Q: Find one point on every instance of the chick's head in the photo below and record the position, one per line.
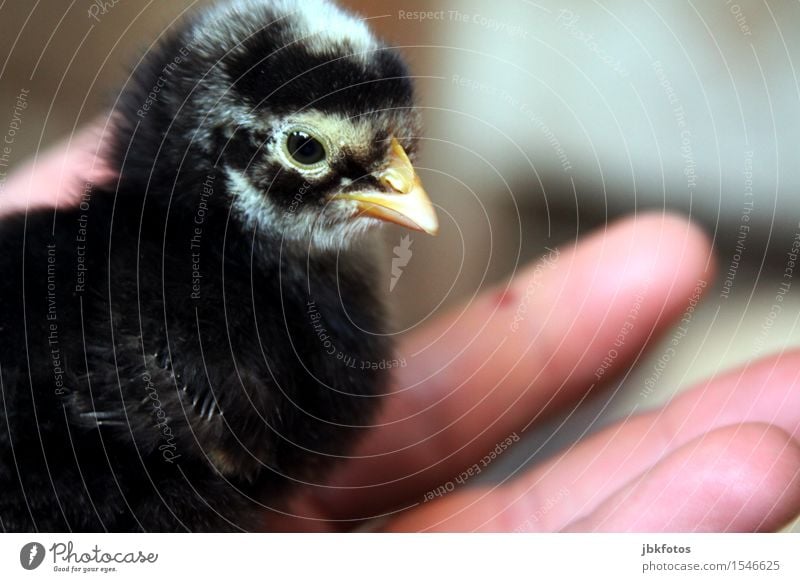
(307, 119)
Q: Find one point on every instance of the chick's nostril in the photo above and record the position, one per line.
(397, 180)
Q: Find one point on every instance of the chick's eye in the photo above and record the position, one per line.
(304, 148)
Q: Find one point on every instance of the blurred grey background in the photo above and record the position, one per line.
(543, 120)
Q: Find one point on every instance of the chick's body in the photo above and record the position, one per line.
(186, 345)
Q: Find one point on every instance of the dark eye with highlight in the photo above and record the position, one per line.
(304, 148)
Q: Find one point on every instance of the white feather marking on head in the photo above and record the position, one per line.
(324, 25)
(319, 25)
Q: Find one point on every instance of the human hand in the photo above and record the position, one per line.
(720, 457)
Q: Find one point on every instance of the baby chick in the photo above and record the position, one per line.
(195, 339)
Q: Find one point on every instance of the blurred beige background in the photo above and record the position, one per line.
(544, 119)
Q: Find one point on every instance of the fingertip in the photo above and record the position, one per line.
(651, 245)
(746, 477)
(770, 496)
(741, 478)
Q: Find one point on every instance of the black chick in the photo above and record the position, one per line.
(189, 342)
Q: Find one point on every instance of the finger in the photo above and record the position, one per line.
(740, 478)
(58, 176)
(765, 391)
(471, 381)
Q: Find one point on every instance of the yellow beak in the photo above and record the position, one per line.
(406, 203)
